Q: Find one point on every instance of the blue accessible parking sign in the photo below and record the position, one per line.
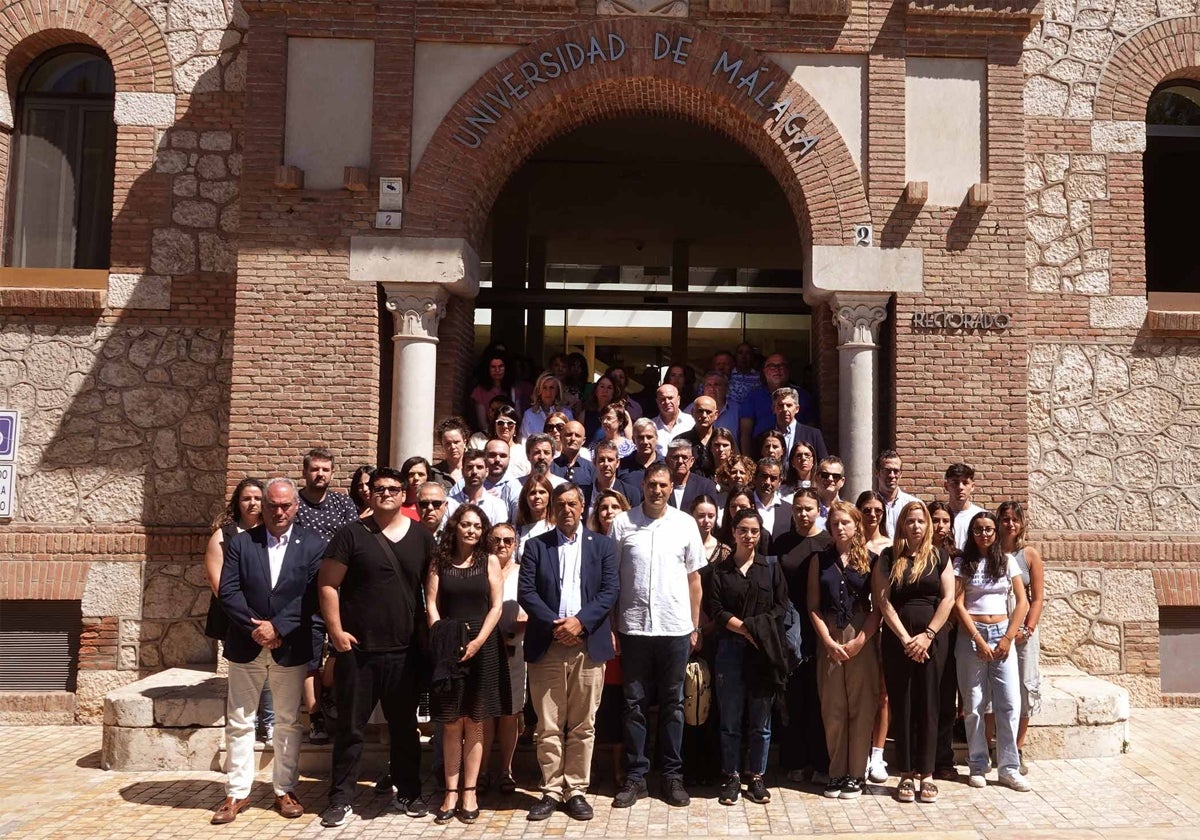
(8, 434)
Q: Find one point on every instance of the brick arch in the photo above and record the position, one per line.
(454, 187)
(128, 36)
(1163, 51)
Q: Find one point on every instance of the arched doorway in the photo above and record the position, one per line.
(642, 241)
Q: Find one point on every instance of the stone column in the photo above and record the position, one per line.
(857, 317)
(418, 276)
(417, 309)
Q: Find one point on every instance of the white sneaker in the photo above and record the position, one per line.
(877, 772)
(977, 780)
(1015, 781)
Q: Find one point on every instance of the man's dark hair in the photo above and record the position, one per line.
(474, 455)
(318, 453)
(886, 455)
(960, 470)
(768, 462)
(387, 472)
(656, 468)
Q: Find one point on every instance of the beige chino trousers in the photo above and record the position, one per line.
(565, 687)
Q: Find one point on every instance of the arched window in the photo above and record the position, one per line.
(1171, 170)
(62, 190)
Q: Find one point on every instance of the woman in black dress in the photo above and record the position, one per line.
(913, 586)
(465, 583)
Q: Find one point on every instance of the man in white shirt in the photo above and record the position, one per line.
(659, 554)
(960, 485)
(670, 422)
(888, 468)
(472, 491)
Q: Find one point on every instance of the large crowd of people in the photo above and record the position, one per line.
(580, 561)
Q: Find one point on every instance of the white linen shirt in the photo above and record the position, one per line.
(570, 566)
(655, 557)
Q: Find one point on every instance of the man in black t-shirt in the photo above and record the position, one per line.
(371, 587)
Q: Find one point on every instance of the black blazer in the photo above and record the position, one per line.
(245, 592)
(539, 589)
(697, 485)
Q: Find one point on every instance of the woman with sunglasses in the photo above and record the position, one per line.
(502, 542)
(506, 427)
(801, 464)
(985, 579)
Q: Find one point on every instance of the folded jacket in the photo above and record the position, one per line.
(447, 639)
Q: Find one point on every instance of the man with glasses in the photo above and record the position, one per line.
(324, 511)
(472, 491)
(960, 486)
(774, 508)
(571, 465)
(888, 468)
(758, 410)
(704, 410)
(265, 581)
(831, 477)
(371, 588)
(686, 486)
(433, 508)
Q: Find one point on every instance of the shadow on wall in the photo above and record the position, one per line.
(125, 413)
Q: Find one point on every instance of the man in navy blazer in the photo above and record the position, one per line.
(567, 585)
(686, 485)
(267, 591)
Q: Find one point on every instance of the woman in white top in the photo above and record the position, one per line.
(984, 579)
(547, 399)
(534, 514)
(1029, 560)
(502, 542)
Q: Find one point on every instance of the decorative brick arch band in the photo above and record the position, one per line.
(1160, 52)
(628, 67)
(130, 37)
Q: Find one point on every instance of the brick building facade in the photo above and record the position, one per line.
(253, 305)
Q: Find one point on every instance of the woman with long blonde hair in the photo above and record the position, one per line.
(547, 399)
(839, 603)
(913, 588)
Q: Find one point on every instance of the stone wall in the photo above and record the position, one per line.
(119, 424)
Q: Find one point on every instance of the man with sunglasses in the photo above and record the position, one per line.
(433, 507)
(888, 468)
(472, 491)
(831, 477)
(371, 588)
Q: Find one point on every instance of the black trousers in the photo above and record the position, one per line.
(360, 680)
(913, 691)
(803, 744)
(947, 706)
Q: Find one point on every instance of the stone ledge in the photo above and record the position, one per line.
(176, 698)
(153, 748)
(37, 708)
(1081, 716)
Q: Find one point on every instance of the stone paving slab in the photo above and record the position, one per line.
(51, 786)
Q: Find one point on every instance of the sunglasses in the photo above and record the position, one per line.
(830, 475)
(555, 427)
(436, 504)
(387, 491)
(506, 424)
(504, 540)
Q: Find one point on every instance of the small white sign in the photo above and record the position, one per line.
(391, 193)
(388, 220)
(8, 481)
(864, 236)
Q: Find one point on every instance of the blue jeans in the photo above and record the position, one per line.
(652, 671)
(997, 682)
(736, 704)
(266, 709)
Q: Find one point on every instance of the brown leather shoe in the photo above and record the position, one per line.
(289, 806)
(229, 809)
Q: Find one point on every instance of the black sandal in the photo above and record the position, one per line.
(443, 815)
(463, 814)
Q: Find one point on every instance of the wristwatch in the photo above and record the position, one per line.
(930, 632)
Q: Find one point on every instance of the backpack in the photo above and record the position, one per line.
(789, 627)
(697, 692)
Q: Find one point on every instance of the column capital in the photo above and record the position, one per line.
(857, 318)
(416, 309)
(420, 261)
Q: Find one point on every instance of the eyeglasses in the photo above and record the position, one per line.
(775, 366)
(436, 504)
(983, 532)
(390, 490)
(826, 474)
(802, 456)
(506, 424)
(504, 540)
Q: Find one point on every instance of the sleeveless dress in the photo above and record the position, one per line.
(464, 594)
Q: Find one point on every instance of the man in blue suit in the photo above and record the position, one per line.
(567, 586)
(267, 591)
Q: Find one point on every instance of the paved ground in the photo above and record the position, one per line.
(51, 787)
